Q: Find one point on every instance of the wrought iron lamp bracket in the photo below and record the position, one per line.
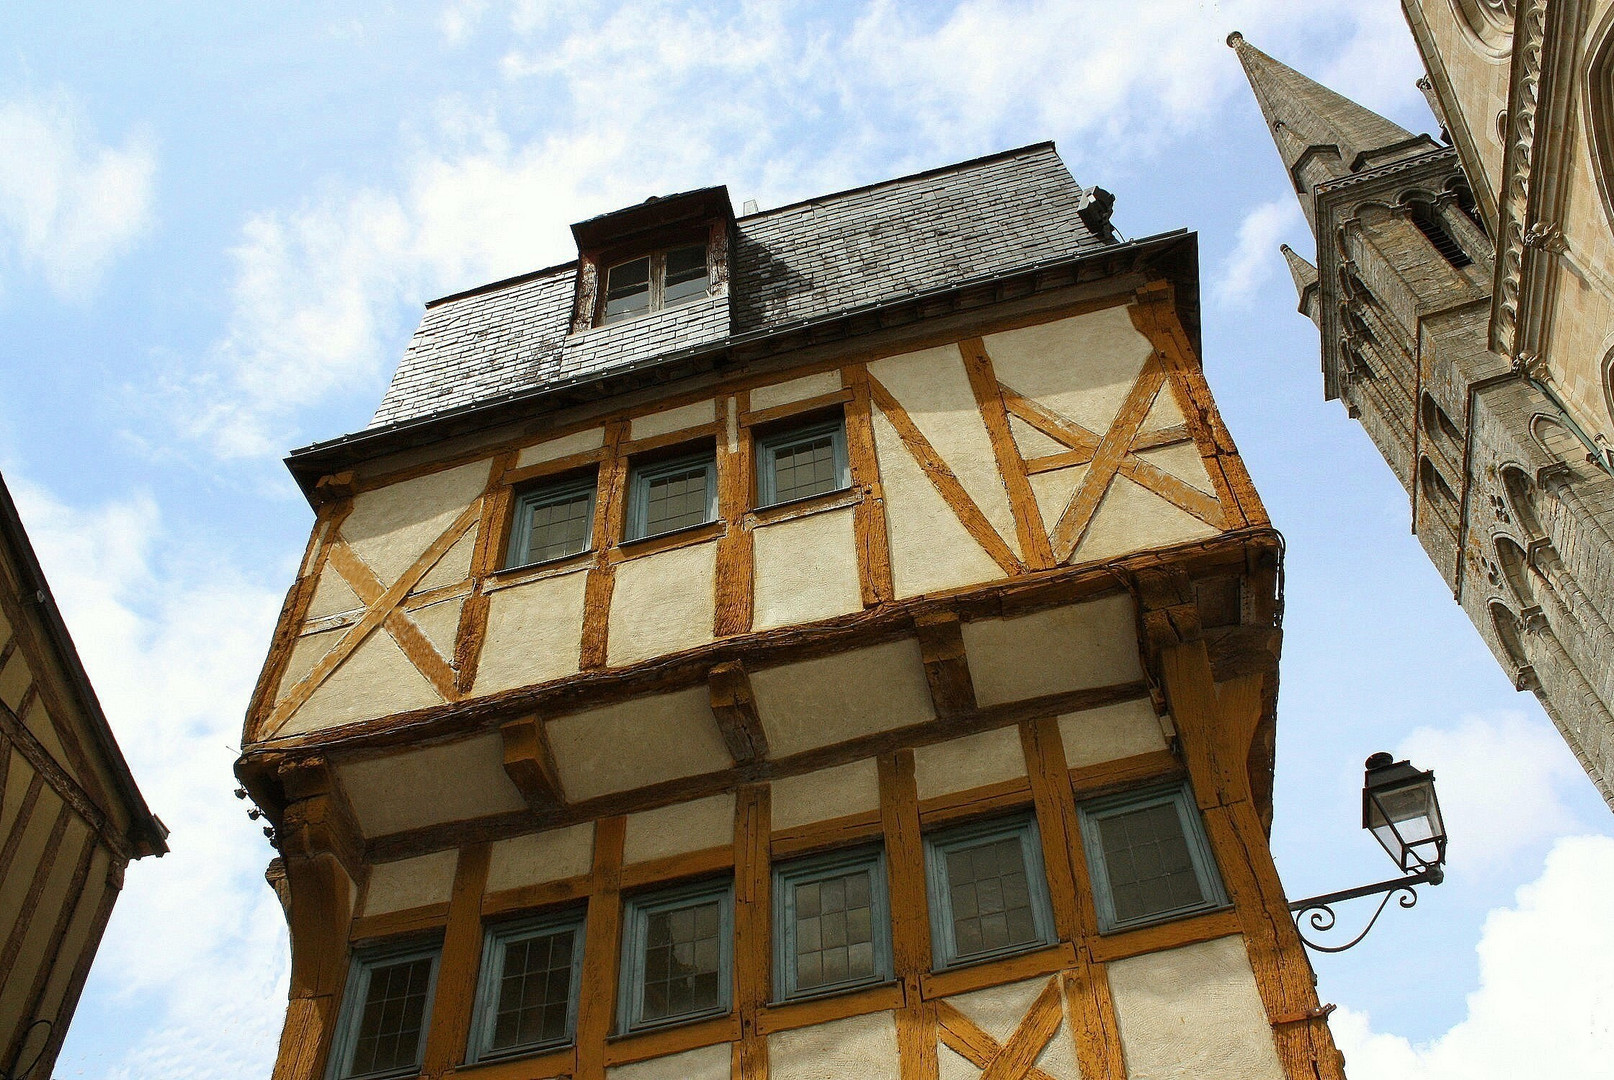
(1317, 912)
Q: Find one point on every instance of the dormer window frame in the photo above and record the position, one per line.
(656, 280)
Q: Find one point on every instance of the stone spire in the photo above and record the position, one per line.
(1305, 276)
(1320, 135)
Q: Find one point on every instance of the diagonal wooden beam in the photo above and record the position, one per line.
(1028, 526)
(735, 708)
(1078, 515)
(1020, 1052)
(373, 618)
(1179, 493)
(530, 763)
(947, 668)
(971, 1042)
(1059, 428)
(943, 479)
(416, 646)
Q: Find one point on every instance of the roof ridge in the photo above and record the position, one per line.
(503, 283)
(937, 170)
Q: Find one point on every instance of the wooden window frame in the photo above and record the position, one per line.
(1180, 796)
(351, 1015)
(769, 444)
(816, 867)
(1021, 826)
(485, 1012)
(640, 475)
(636, 911)
(658, 282)
(529, 497)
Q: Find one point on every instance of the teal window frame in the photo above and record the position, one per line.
(939, 844)
(640, 478)
(815, 868)
(540, 496)
(364, 964)
(636, 912)
(768, 448)
(1090, 813)
(485, 1013)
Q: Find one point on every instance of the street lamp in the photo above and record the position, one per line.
(1401, 810)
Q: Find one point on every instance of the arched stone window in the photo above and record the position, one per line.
(1521, 500)
(1433, 483)
(1598, 105)
(1439, 425)
(1516, 571)
(1464, 198)
(1511, 635)
(1423, 215)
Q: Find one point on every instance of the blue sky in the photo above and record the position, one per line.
(218, 224)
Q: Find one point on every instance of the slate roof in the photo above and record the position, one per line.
(796, 263)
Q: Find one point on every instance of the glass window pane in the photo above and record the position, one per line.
(676, 500)
(682, 962)
(834, 928)
(392, 1018)
(1148, 862)
(534, 990)
(804, 466)
(990, 899)
(686, 275)
(627, 289)
(554, 527)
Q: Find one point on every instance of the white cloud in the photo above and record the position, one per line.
(1491, 826)
(460, 18)
(1545, 1002)
(172, 638)
(780, 100)
(1250, 265)
(69, 205)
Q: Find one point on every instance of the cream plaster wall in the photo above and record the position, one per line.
(1133, 518)
(930, 549)
(1066, 648)
(1082, 367)
(662, 603)
(553, 855)
(578, 442)
(987, 757)
(685, 416)
(707, 1063)
(673, 830)
(440, 622)
(332, 595)
(376, 679)
(1164, 413)
(446, 782)
(453, 568)
(533, 634)
(864, 1047)
(1193, 1012)
(853, 788)
(407, 883)
(782, 393)
(806, 570)
(834, 698)
(1182, 461)
(934, 389)
(392, 526)
(1094, 736)
(1031, 442)
(638, 742)
(1479, 77)
(1054, 490)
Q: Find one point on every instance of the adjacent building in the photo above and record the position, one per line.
(1464, 290)
(837, 641)
(71, 817)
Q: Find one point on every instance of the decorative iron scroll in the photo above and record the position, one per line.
(1318, 913)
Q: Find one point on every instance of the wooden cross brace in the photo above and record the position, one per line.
(1012, 1060)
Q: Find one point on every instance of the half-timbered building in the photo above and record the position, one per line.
(837, 641)
(71, 817)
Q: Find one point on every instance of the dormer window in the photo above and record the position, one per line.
(652, 282)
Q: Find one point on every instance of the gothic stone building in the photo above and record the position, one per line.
(1464, 291)
(835, 642)
(71, 816)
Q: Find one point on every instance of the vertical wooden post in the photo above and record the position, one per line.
(1216, 726)
(457, 970)
(609, 508)
(910, 913)
(1035, 549)
(753, 926)
(868, 521)
(601, 949)
(486, 557)
(735, 552)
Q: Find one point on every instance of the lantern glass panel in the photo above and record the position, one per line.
(1406, 821)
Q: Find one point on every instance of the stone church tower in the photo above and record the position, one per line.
(1471, 363)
